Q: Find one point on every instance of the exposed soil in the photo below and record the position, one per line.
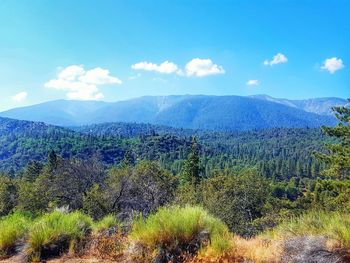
(18, 259)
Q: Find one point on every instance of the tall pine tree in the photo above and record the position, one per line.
(339, 157)
(192, 171)
(52, 160)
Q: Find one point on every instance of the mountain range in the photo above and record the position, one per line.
(187, 111)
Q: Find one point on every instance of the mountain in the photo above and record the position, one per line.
(58, 112)
(236, 113)
(322, 106)
(189, 111)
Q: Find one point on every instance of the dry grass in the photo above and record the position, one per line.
(108, 247)
(258, 249)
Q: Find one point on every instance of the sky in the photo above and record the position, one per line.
(116, 50)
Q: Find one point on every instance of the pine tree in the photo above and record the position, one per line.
(128, 159)
(192, 170)
(52, 160)
(339, 157)
(33, 170)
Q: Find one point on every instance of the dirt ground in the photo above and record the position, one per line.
(17, 259)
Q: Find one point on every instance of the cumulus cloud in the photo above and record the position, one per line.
(71, 72)
(332, 65)
(165, 68)
(196, 67)
(279, 58)
(81, 84)
(202, 67)
(252, 82)
(19, 97)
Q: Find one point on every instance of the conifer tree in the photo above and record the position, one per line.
(52, 160)
(192, 170)
(339, 157)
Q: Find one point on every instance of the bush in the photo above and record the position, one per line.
(106, 223)
(179, 230)
(12, 229)
(236, 200)
(57, 232)
(335, 226)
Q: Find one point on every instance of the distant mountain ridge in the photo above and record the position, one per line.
(322, 106)
(224, 113)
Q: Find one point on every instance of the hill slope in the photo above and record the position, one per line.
(322, 106)
(195, 112)
(58, 112)
(276, 152)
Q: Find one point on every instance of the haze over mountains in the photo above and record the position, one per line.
(187, 111)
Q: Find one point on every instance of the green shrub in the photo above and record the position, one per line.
(12, 229)
(175, 227)
(333, 225)
(57, 232)
(106, 223)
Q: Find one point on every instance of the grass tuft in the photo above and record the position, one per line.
(177, 227)
(57, 232)
(106, 223)
(12, 229)
(335, 226)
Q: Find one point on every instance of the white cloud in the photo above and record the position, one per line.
(332, 65)
(99, 76)
(71, 72)
(165, 68)
(202, 67)
(196, 67)
(19, 97)
(81, 84)
(252, 82)
(279, 58)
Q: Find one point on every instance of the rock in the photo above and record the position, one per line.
(310, 249)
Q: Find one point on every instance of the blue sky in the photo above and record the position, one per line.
(114, 50)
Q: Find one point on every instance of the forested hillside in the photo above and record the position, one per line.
(277, 153)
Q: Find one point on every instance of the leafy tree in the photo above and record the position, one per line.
(8, 194)
(143, 188)
(33, 196)
(65, 185)
(95, 203)
(237, 200)
(71, 180)
(151, 187)
(117, 188)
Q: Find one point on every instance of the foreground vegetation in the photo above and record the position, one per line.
(137, 210)
(176, 234)
(13, 228)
